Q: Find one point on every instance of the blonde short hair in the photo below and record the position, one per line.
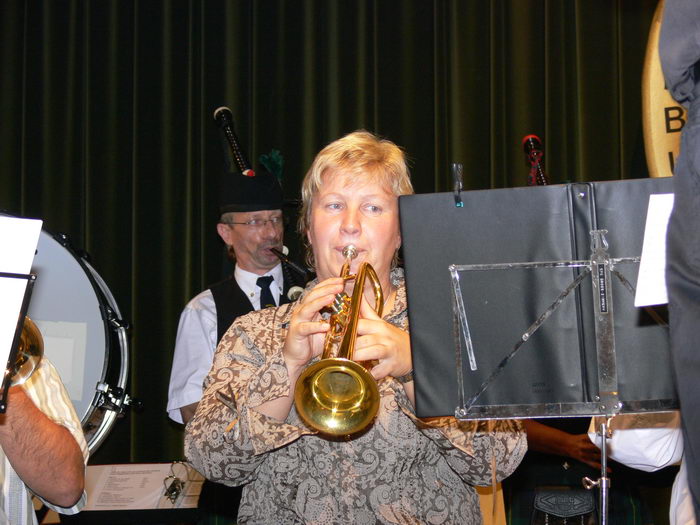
(363, 155)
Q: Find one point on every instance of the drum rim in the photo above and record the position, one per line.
(110, 416)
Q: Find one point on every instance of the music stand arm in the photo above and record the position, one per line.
(603, 483)
(6, 379)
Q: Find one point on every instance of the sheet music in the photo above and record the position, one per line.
(18, 241)
(651, 282)
(140, 486)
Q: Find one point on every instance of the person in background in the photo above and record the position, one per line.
(560, 454)
(650, 442)
(400, 469)
(679, 53)
(250, 224)
(42, 449)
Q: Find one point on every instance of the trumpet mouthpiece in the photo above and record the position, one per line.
(350, 252)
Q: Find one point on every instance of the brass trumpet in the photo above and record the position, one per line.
(29, 353)
(336, 395)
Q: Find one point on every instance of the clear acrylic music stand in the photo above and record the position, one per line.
(600, 268)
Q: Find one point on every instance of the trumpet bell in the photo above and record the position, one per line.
(337, 397)
(29, 353)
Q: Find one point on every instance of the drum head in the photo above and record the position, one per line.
(71, 305)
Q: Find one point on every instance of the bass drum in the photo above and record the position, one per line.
(84, 335)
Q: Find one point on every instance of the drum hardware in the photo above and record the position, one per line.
(115, 399)
(113, 319)
(336, 395)
(110, 404)
(108, 397)
(65, 241)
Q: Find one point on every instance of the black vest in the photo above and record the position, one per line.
(231, 302)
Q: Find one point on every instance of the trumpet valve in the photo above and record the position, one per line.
(339, 317)
(341, 303)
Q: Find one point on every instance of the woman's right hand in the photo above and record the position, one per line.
(304, 341)
(306, 329)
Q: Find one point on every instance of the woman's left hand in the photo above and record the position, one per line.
(384, 343)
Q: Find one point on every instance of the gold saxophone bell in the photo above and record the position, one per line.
(336, 395)
(29, 353)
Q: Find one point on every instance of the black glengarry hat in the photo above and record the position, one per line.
(240, 192)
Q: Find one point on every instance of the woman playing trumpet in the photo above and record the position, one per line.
(399, 469)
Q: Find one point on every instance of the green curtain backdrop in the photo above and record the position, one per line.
(106, 131)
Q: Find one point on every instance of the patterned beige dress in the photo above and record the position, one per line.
(401, 470)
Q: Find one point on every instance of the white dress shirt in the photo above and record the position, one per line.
(197, 336)
(248, 283)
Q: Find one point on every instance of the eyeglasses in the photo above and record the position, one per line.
(258, 224)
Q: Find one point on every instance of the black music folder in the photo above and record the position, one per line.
(470, 356)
